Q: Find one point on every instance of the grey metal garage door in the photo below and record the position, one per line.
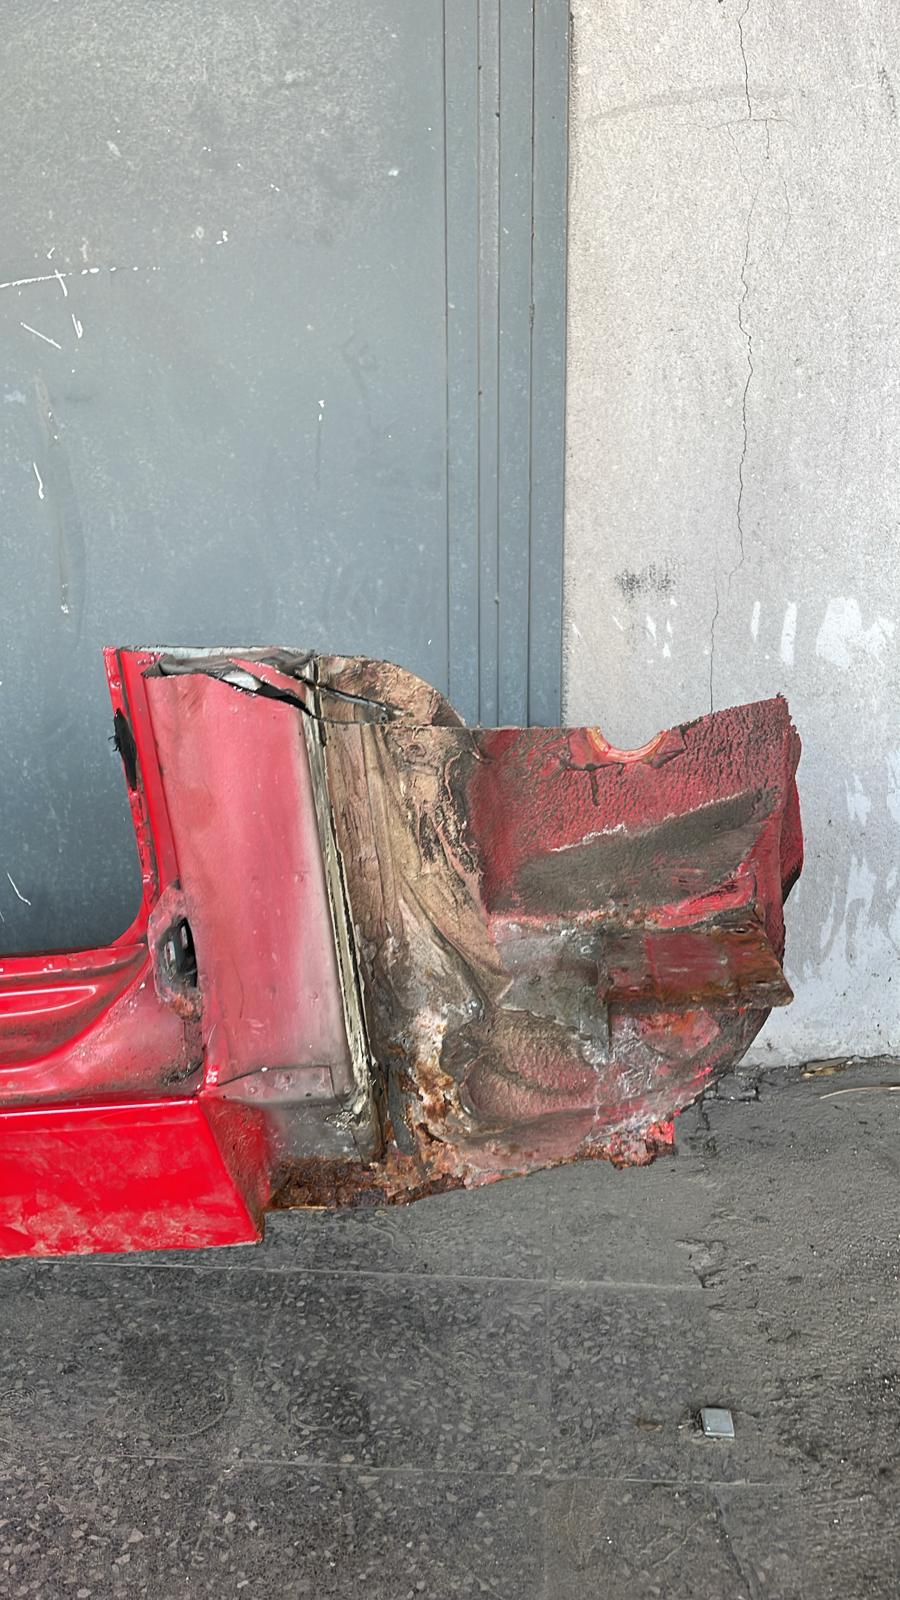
(281, 361)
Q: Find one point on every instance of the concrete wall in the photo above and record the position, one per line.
(733, 501)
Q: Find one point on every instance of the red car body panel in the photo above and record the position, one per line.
(379, 953)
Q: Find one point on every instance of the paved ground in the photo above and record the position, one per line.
(488, 1394)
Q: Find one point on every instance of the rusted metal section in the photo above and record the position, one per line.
(320, 1184)
(381, 954)
(315, 1183)
(561, 943)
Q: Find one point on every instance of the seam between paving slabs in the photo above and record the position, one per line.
(746, 1576)
(627, 1286)
(236, 1463)
(205, 1270)
(551, 1437)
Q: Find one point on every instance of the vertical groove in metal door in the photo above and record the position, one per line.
(505, 134)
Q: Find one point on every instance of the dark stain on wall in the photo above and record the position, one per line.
(651, 579)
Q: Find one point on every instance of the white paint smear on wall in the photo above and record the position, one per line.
(789, 634)
(858, 803)
(842, 635)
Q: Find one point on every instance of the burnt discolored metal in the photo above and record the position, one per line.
(382, 954)
(560, 944)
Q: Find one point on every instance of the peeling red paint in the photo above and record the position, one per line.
(381, 954)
